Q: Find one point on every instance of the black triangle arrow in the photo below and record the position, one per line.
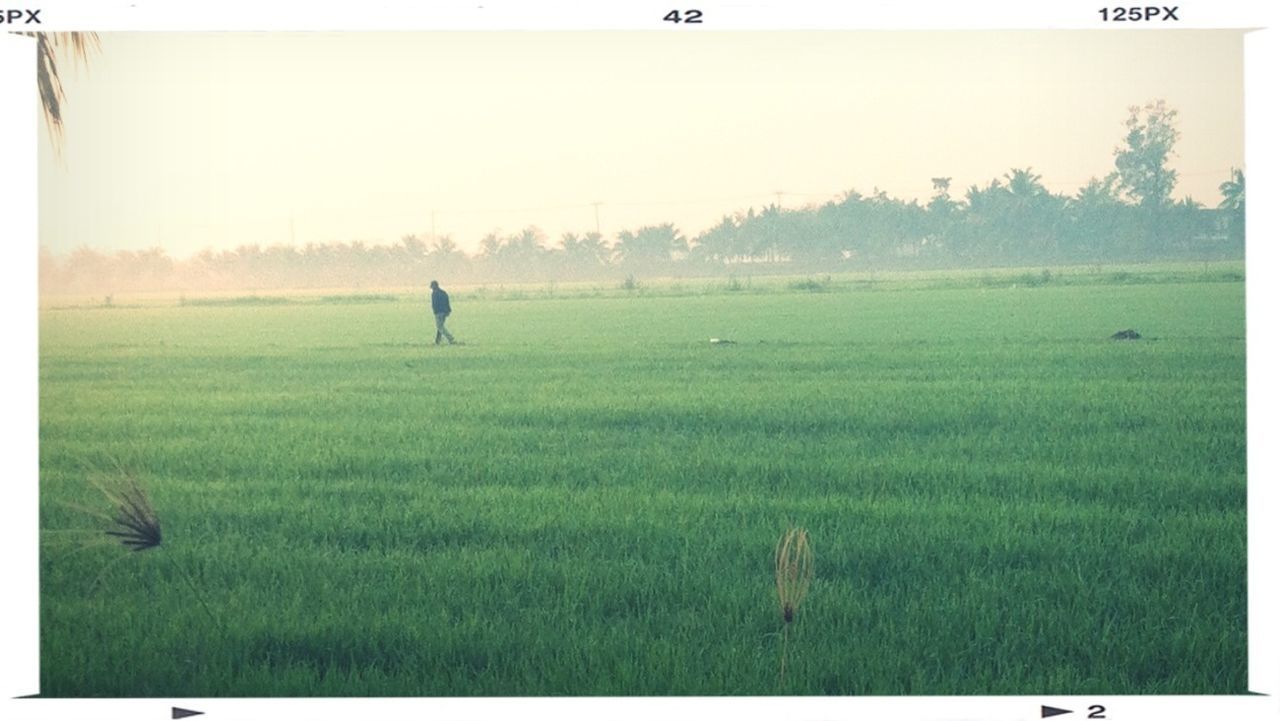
(1047, 711)
(185, 712)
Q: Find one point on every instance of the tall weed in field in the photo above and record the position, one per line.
(793, 573)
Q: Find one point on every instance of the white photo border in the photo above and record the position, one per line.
(19, 128)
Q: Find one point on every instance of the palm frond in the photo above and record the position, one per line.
(49, 46)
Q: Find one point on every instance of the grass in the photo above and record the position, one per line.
(243, 300)
(585, 498)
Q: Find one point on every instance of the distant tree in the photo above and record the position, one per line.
(405, 260)
(411, 246)
(974, 236)
(444, 246)
(770, 234)
(888, 227)
(1141, 171)
(490, 245)
(1233, 191)
(583, 252)
(717, 244)
(88, 270)
(527, 245)
(594, 248)
(651, 245)
(941, 209)
(569, 244)
(1024, 185)
(846, 222)
(1034, 214)
(746, 239)
(809, 238)
(1232, 205)
(445, 258)
(941, 205)
(1188, 225)
(1098, 222)
(521, 256)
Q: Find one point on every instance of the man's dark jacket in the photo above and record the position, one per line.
(440, 302)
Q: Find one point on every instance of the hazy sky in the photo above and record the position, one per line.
(188, 141)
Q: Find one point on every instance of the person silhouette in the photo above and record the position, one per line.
(441, 309)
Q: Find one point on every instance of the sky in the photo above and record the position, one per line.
(188, 141)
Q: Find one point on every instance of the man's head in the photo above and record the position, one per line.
(434, 285)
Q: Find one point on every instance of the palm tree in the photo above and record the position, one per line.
(444, 246)
(583, 251)
(652, 245)
(1232, 205)
(1096, 219)
(718, 243)
(526, 245)
(411, 246)
(594, 247)
(1024, 184)
(1233, 192)
(490, 245)
(570, 245)
(1032, 213)
(49, 46)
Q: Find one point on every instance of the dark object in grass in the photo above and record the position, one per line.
(1127, 334)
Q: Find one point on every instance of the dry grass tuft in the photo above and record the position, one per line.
(793, 570)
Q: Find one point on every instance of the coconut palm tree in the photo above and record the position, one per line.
(1232, 205)
(1233, 191)
(490, 245)
(594, 247)
(583, 251)
(525, 246)
(1024, 184)
(650, 245)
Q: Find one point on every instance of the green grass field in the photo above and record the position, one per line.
(585, 498)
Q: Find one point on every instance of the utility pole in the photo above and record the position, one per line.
(778, 194)
(597, 205)
(433, 228)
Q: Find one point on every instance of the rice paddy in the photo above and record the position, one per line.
(587, 498)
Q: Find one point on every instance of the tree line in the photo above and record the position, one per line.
(1129, 215)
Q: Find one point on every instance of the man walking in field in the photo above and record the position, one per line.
(440, 307)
